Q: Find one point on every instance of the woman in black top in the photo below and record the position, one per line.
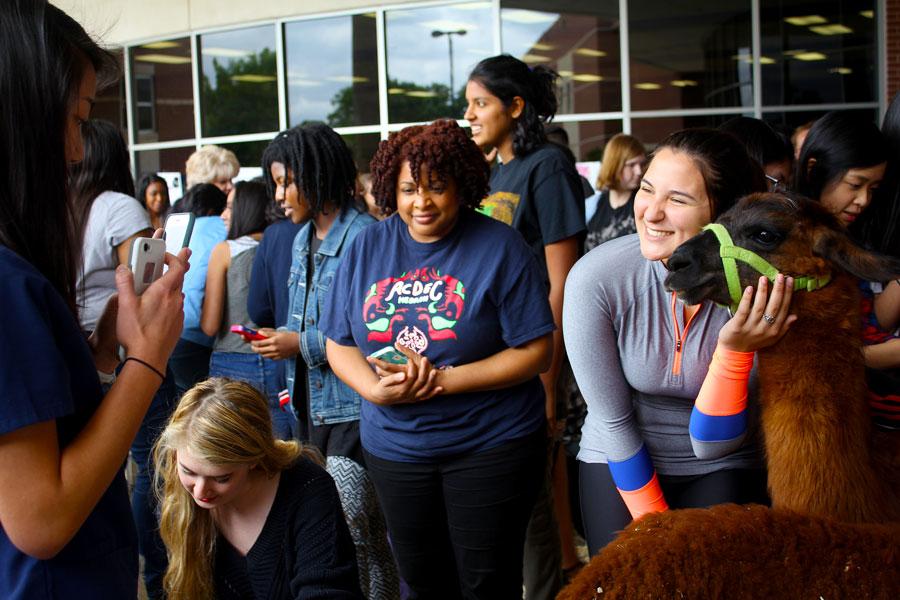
(245, 515)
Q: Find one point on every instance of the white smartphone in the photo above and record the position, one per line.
(148, 256)
(179, 227)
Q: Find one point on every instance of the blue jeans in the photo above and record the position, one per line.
(262, 374)
(144, 503)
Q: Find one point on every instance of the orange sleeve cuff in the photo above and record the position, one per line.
(646, 499)
(724, 391)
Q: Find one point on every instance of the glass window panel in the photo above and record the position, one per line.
(163, 92)
(578, 39)
(170, 160)
(238, 81)
(689, 54)
(363, 147)
(249, 154)
(145, 118)
(786, 122)
(818, 52)
(332, 71)
(652, 131)
(430, 51)
(109, 104)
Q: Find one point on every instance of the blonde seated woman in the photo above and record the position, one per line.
(244, 515)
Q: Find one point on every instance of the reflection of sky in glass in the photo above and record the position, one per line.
(319, 65)
(413, 55)
(523, 28)
(229, 46)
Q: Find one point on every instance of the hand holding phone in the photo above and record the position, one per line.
(148, 255)
(391, 355)
(248, 334)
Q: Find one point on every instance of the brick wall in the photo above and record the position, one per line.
(892, 40)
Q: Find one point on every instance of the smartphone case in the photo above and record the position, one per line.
(148, 256)
(391, 355)
(178, 228)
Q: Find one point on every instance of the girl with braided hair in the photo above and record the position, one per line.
(310, 172)
(454, 438)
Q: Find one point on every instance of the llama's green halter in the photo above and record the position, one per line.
(730, 254)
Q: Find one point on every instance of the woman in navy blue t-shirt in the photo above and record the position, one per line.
(67, 530)
(454, 438)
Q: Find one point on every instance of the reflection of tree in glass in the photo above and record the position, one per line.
(408, 103)
(245, 97)
(249, 154)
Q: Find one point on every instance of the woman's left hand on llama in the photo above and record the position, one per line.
(761, 318)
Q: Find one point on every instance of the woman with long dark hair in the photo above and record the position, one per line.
(103, 193)
(225, 299)
(536, 190)
(107, 214)
(67, 527)
(153, 194)
(846, 159)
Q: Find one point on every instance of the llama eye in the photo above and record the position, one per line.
(766, 238)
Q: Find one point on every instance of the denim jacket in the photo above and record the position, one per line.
(330, 399)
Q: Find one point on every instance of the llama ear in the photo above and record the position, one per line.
(837, 247)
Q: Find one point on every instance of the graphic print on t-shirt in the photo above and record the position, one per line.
(501, 206)
(415, 309)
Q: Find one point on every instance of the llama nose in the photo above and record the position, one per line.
(679, 260)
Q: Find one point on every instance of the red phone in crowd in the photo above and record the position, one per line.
(248, 334)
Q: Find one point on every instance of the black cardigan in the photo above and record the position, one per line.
(304, 550)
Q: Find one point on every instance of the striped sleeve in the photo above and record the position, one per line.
(638, 484)
(719, 419)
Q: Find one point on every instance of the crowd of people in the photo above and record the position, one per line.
(452, 365)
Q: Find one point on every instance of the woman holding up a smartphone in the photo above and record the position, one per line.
(67, 525)
(103, 193)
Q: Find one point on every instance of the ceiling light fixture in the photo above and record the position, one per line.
(163, 59)
(226, 52)
(806, 20)
(833, 29)
(528, 17)
(253, 78)
(810, 56)
(161, 45)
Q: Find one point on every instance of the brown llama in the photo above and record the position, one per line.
(834, 529)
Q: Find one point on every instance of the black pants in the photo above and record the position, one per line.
(457, 525)
(604, 512)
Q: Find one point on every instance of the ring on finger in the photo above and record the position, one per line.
(769, 319)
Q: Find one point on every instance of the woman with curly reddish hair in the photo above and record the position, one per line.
(453, 436)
